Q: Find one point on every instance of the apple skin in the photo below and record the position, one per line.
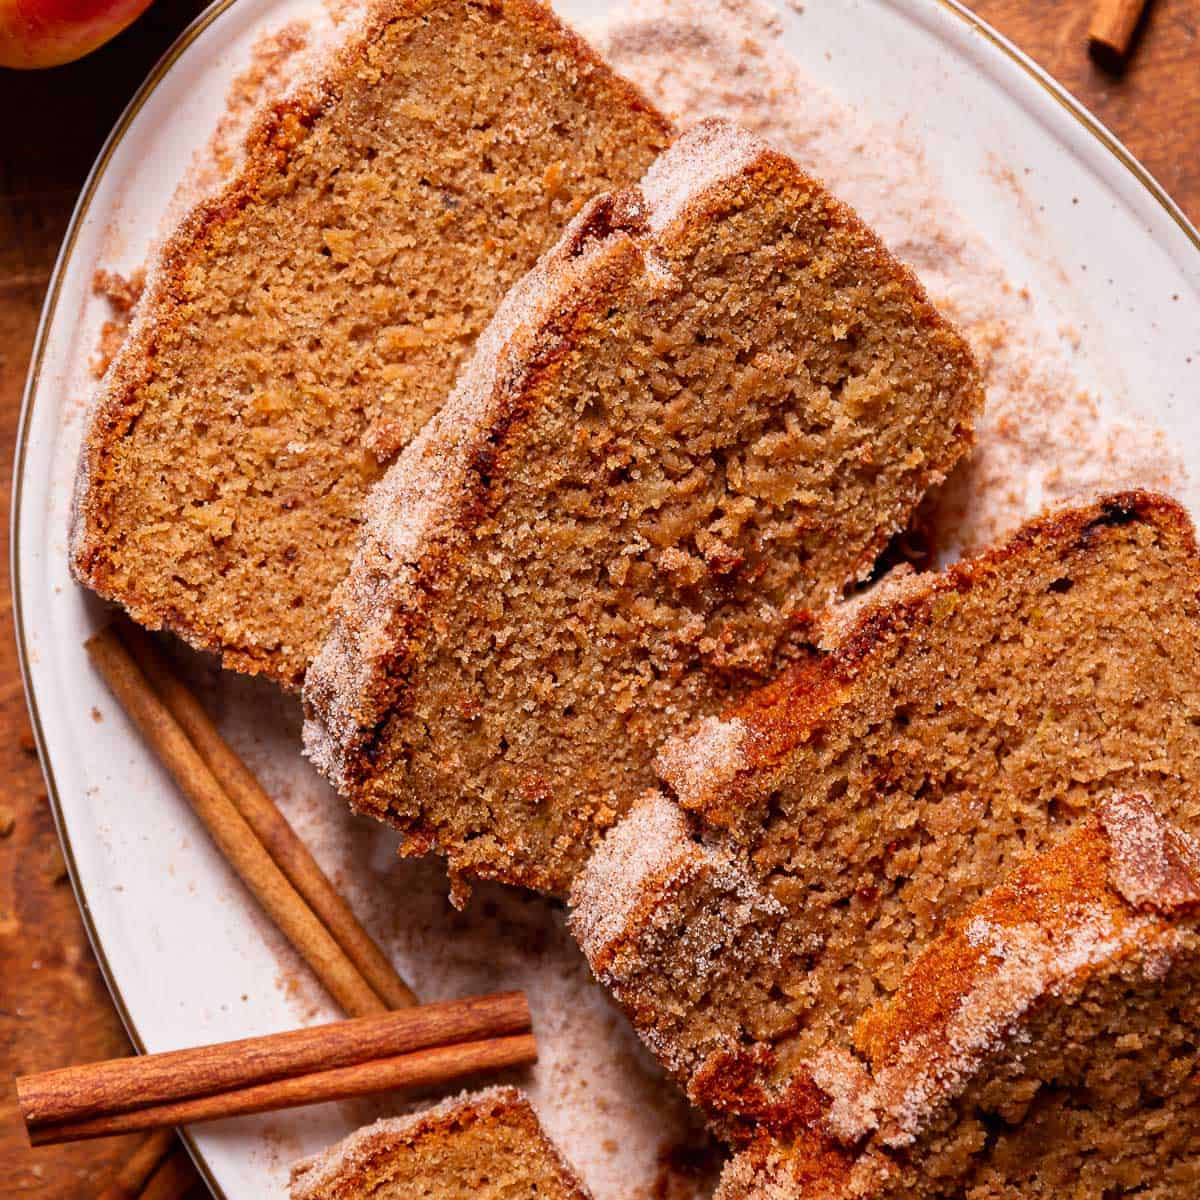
(46, 33)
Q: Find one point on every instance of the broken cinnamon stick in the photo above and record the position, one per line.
(1114, 23)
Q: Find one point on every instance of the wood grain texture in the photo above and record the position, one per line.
(53, 1007)
(141, 1165)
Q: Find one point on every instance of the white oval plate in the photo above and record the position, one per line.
(186, 955)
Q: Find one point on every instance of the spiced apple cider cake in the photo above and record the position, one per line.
(809, 843)
(478, 1146)
(1044, 1045)
(302, 325)
(704, 413)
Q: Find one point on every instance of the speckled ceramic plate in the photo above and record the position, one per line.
(186, 956)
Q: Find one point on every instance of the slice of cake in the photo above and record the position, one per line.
(482, 1146)
(1044, 1046)
(304, 324)
(814, 840)
(704, 413)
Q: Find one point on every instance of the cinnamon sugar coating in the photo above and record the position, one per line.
(301, 326)
(485, 1145)
(867, 797)
(700, 417)
(1043, 1045)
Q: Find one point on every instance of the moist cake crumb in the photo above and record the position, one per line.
(1053, 1015)
(957, 726)
(485, 1145)
(300, 326)
(1044, 438)
(702, 416)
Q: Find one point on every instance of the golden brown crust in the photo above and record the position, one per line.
(271, 144)
(1048, 893)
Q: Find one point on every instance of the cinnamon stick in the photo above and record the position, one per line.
(72, 1094)
(230, 830)
(141, 1164)
(1114, 23)
(423, 1068)
(264, 817)
(174, 1179)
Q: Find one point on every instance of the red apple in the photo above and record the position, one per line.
(44, 33)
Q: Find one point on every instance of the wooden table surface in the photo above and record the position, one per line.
(54, 1008)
